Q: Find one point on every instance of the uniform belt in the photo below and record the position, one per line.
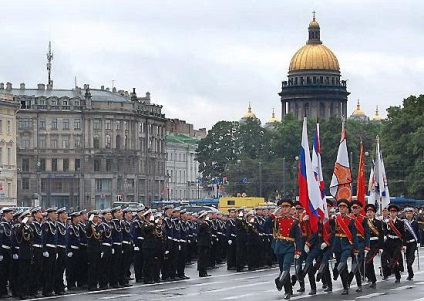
(75, 247)
(106, 244)
(341, 235)
(51, 246)
(5, 247)
(82, 244)
(169, 237)
(285, 238)
(176, 240)
(374, 238)
(360, 235)
(392, 236)
(140, 238)
(233, 235)
(60, 246)
(220, 233)
(126, 242)
(117, 244)
(37, 246)
(411, 240)
(16, 248)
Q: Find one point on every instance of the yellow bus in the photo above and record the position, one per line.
(237, 202)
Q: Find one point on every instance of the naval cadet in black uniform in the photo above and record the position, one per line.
(59, 285)
(5, 250)
(37, 245)
(72, 250)
(49, 228)
(93, 249)
(376, 243)
(412, 239)
(204, 239)
(25, 256)
(117, 238)
(231, 239)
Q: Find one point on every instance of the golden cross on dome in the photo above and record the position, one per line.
(313, 15)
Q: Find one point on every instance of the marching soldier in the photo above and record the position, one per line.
(72, 250)
(59, 286)
(49, 228)
(24, 237)
(184, 232)
(105, 231)
(412, 239)
(376, 243)
(169, 249)
(287, 243)
(81, 269)
(37, 262)
(345, 242)
(395, 232)
(231, 239)
(117, 238)
(149, 244)
(5, 250)
(252, 242)
(363, 235)
(138, 238)
(204, 240)
(241, 240)
(93, 249)
(127, 247)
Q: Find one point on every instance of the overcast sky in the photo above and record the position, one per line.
(204, 61)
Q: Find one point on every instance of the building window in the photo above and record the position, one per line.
(77, 124)
(77, 141)
(42, 144)
(77, 104)
(54, 123)
(96, 142)
(65, 105)
(126, 142)
(42, 124)
(25, 164)
(77, 164)
(109, 163)
(65, 164)
(66, 124)
(108, 141)
(25, 184)
(65, 142)
(54, 164)
(42, 165)
(96, 124)
(97, 165)
(118, 125)
(103, 185)
(108, 124)
(25, 123)
(25, 143)
(118, 142)
(54, 143)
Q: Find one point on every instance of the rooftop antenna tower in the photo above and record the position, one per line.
(49, 64)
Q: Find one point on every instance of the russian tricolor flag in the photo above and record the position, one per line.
(309, 192)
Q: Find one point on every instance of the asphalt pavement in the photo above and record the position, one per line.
(252, 285)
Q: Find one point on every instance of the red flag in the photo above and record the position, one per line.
(360, 183)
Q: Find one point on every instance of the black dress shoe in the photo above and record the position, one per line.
(278, 284)
(345, 292)
(287, 296)
(397, 281)
(301, 290)
(313, 292)
(359, 289)
(373, 285)
(328, 289)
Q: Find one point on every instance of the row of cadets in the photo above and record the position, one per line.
(287, 243)
(412, 240)
(363, 237)
(375, 227)
(137, 235)
(345, 243)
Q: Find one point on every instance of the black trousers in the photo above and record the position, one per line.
(127, 255)
(231, 255)
(138, 265)
(93, 268)
(116, 262)
(36, 271)
(5, 271)
(105, 262)
(59, 285)
(410, 257)
(182, 260)
(81, 268)
(24, 277)
(395, 256)
(71, 268)
(369, 262)
(174, 255)
(49, 265)
(203, 260)
(148, 265)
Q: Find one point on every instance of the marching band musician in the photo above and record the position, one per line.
(394, 232)
(81, 269)
(412, 239)
(252, 243)
(127, 248)
(287, 243)
(149, 244)
(345, 242)
(376, 243)
(169, 251)
(138, 238)
(241, 239)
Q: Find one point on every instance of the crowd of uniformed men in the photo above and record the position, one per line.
(52, 251)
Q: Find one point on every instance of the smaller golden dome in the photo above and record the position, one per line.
(249, 113)
(358, 112)
(272, 119)
(377, 116)
(313, 23)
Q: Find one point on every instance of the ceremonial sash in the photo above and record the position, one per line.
(393, 227)
(408, 226)
(358, 225)
(345, 228)
(373, 228)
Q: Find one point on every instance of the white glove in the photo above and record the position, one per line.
(156, 221)
(70, 254)
(15, 256)
(136, 249)
(380, 251)
(365, 253)
(46, 254)
(323, 246)
(91, 217)
(207, 218)
(101, 255)
(1, 257)
(152, 218)
(230, 242)
(241, 214)
(306, 248)
(385, 238)
(113, 251)
(189, 241)
(297, 256)
(166, 252)
(305, 218)
(179, 247)
(252, 220)
(25, 220)
(404, 249)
